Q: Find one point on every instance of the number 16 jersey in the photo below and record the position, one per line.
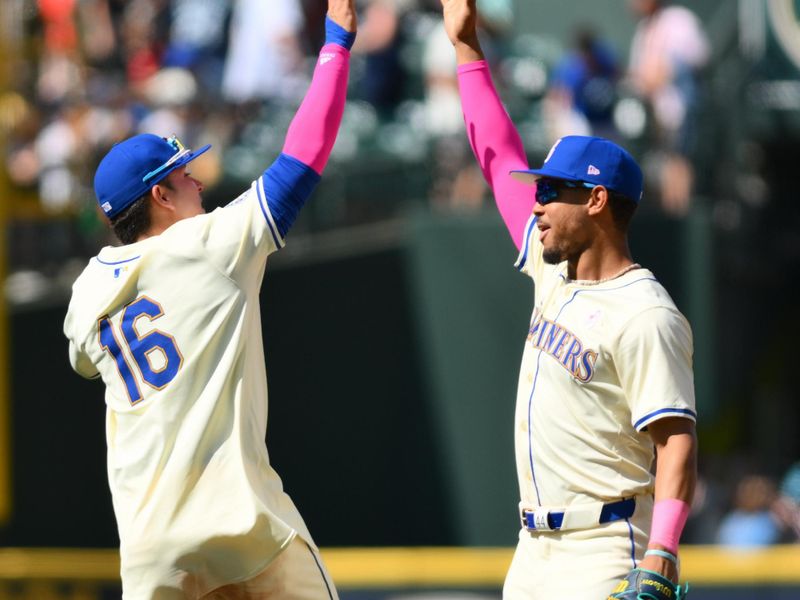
(172, 326)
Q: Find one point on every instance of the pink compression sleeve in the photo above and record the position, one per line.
(669, 519)
(313, 130)
(496, 145)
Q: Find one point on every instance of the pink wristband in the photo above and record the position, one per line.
(669, 518)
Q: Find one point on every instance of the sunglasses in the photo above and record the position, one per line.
(180, 152)
(548, 189)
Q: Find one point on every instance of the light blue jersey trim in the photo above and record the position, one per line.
(523, 254)
(119, 262)
(262, 202)
(661, 413)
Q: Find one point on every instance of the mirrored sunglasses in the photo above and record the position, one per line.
(548, 189)
(180, 152)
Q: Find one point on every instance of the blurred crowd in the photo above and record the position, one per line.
(89, 73)
(746, 510)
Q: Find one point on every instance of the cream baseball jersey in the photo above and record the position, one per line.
(172, 326)
(602, 360)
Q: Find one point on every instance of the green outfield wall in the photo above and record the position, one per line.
(392, 354)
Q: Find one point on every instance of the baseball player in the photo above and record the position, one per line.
(170, 322)
(606, 387)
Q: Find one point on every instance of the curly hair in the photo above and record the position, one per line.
(622, 209)
(132, 222)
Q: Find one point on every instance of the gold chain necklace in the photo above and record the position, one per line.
(605, 279)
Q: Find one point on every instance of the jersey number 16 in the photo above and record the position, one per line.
(154, 353)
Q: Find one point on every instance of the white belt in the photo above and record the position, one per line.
(579, 516)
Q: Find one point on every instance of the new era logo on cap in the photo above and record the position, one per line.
(591, 160)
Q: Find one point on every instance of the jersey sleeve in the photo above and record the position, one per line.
(653, 359)
(78, 359)
(238, 237)
(81, 363)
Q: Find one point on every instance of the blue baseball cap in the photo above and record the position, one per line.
(132, 167)
(592, 160)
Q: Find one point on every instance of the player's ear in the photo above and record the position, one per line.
(160, 196)
(598, 200)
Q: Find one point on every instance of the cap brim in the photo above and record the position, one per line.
(177, 165)
(191, 156)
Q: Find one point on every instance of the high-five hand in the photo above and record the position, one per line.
(343, 13)
(461, 25)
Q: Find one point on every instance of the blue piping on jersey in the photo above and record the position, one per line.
(321, 572)
(536, 377)
(633, 544)
(530, 437)
(680, 412)
(119, 262)
(265, 210)
(523, 258)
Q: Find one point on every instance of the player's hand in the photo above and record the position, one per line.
(662, 566)
(343, 13)
(641, 583)
(460, 20)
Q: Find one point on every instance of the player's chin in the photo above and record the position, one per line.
(553, 256)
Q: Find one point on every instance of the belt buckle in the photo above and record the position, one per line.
(536, 520)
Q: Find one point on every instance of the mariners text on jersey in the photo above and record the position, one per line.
(563, 345)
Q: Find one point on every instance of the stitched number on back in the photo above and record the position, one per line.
(154, 353)
(109, 343)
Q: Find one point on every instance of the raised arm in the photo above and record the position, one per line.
(312, 133)
(493, 137)
(313, 130)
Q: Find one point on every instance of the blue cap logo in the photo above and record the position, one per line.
(132, 167)
(592, 160)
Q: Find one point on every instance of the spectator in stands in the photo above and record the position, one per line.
(580, 99)
(197, 40)
(495, 25)
(264, 56)
(668, 49)
(787, 505)
(751, 522)
(380, 40)
(98, 38)
(144, 32)
(59, 67)
(457, 183)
